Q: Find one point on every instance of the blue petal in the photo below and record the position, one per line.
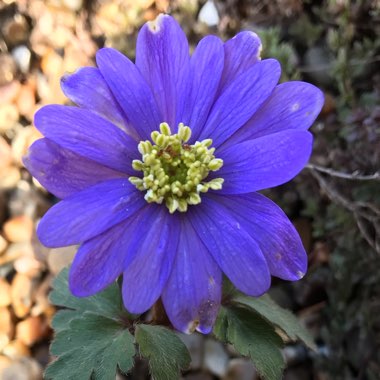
(206, 70)
(240, 100)
(292, 105)
(192, 294)
(162, 56)
(264, 162)
(240, 53)
(268, 225)
(100, 260)
(88, 135)
(61, 171)
(88, 213)
(130, 90)
(88, 89)
(234, 250)
(155, 249)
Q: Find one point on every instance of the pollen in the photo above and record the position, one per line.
(174, 172)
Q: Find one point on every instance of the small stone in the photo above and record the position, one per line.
(26, 101)
(9, 179)
(73, 5)
(28, 265)
(241, 369)
(5, 293)
(216, 358)
(6, 325)
(19, 229)
(8, 116)
(31, 330)
(195, 344)
(22, 55)
(23, 369)
(25, 136)
(16, 349)
(4, 340)
(209, 14)
(3, 244)
(5, 362)
(5, 155)
(14, 251)
(9, 92)
(8, 69)
(59, 258)
(15, 30)
(22, 295)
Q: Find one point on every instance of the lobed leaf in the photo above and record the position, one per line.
(278, 316)
(91, 340)
(252, 336)
(166, 352)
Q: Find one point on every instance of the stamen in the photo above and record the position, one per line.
(173, 171)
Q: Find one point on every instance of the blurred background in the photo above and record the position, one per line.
(334, 202)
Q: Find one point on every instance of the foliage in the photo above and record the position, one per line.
(95, 336)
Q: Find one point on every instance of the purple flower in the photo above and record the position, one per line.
(159, 167)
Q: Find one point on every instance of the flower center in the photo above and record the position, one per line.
(174, 171)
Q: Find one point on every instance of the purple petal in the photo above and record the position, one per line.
(237, 254)
(130, 90)
(88, 213)
(162, 56)
(193, 292)
(240, 100)
(61, 171)
(88, 89)
(240, 53)
(156, 246)
(268, 225)
(88, 135)
(102, 259)
(292, 105)
(264, 162)
(206, 70)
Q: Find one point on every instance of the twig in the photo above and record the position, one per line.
(351, 176)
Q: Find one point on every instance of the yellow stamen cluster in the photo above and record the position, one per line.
(173, 171)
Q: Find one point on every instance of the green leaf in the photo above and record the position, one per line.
(166, 353)
(107, 303)
(254, 337)
(91, 339)
(280, 317)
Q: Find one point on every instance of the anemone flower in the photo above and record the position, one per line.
(158, 166)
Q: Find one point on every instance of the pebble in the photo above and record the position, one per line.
(25, 137)
(16, 349)
(3, 244)
(15, 30)
(209, 14)
(6, 325)
(30, 330)
(5, 293)
(22, 295)
(195, 344)
(5, 155)
(73, 5)
(9, 92)
(241, 369)
(59, 258)
(215, 358)
(8, 116)
(26, 101)
(14, 251)
(22, 369)
(9, 179)
(22, 56)
(19, 229)
(8, 69)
